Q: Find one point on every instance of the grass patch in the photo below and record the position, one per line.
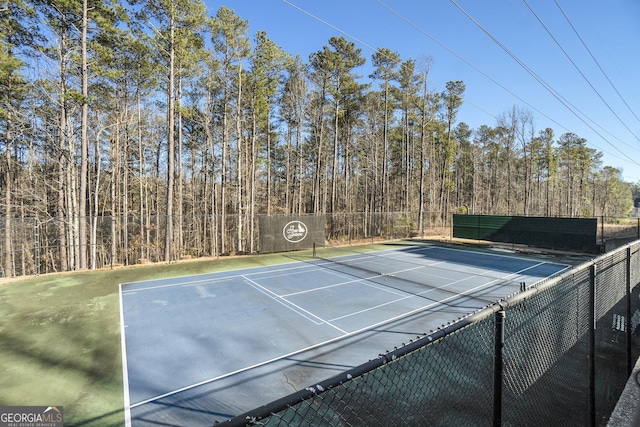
(60, 336)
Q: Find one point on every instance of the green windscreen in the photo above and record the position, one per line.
(574, 234)
(282, 233)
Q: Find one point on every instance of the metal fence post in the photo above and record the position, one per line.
(592, 345)
(451, 225)
(36, 245)
(498, 368)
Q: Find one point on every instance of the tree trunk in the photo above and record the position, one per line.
(180, 174)
(240, 172)
(334, 171)
(8, 264)
(63, 160)
(84, 147)
(170, 143)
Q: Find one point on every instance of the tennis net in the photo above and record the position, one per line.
(395, 271)
(370, 262)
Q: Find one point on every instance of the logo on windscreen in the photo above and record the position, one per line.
(294, 231)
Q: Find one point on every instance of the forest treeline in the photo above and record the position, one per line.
(154, 109)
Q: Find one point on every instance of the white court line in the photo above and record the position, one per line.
(341, 275)
(289, 305)
(489, 254)
(433, 289)
(213, 279)
(278, 358)
(393, 290)
(178, 284)
(128, 406)
(484, 272)
(125, 371)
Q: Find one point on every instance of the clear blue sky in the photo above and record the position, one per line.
(495, 82)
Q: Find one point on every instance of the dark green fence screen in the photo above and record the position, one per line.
(290, 232)
(574, 234)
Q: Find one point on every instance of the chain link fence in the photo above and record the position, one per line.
(45, 245)
(556, 353)
(38, 246)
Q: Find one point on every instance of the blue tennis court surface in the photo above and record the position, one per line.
(205, 348)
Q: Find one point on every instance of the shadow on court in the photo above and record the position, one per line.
(205, 348)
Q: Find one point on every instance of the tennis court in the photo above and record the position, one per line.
(201, 349)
